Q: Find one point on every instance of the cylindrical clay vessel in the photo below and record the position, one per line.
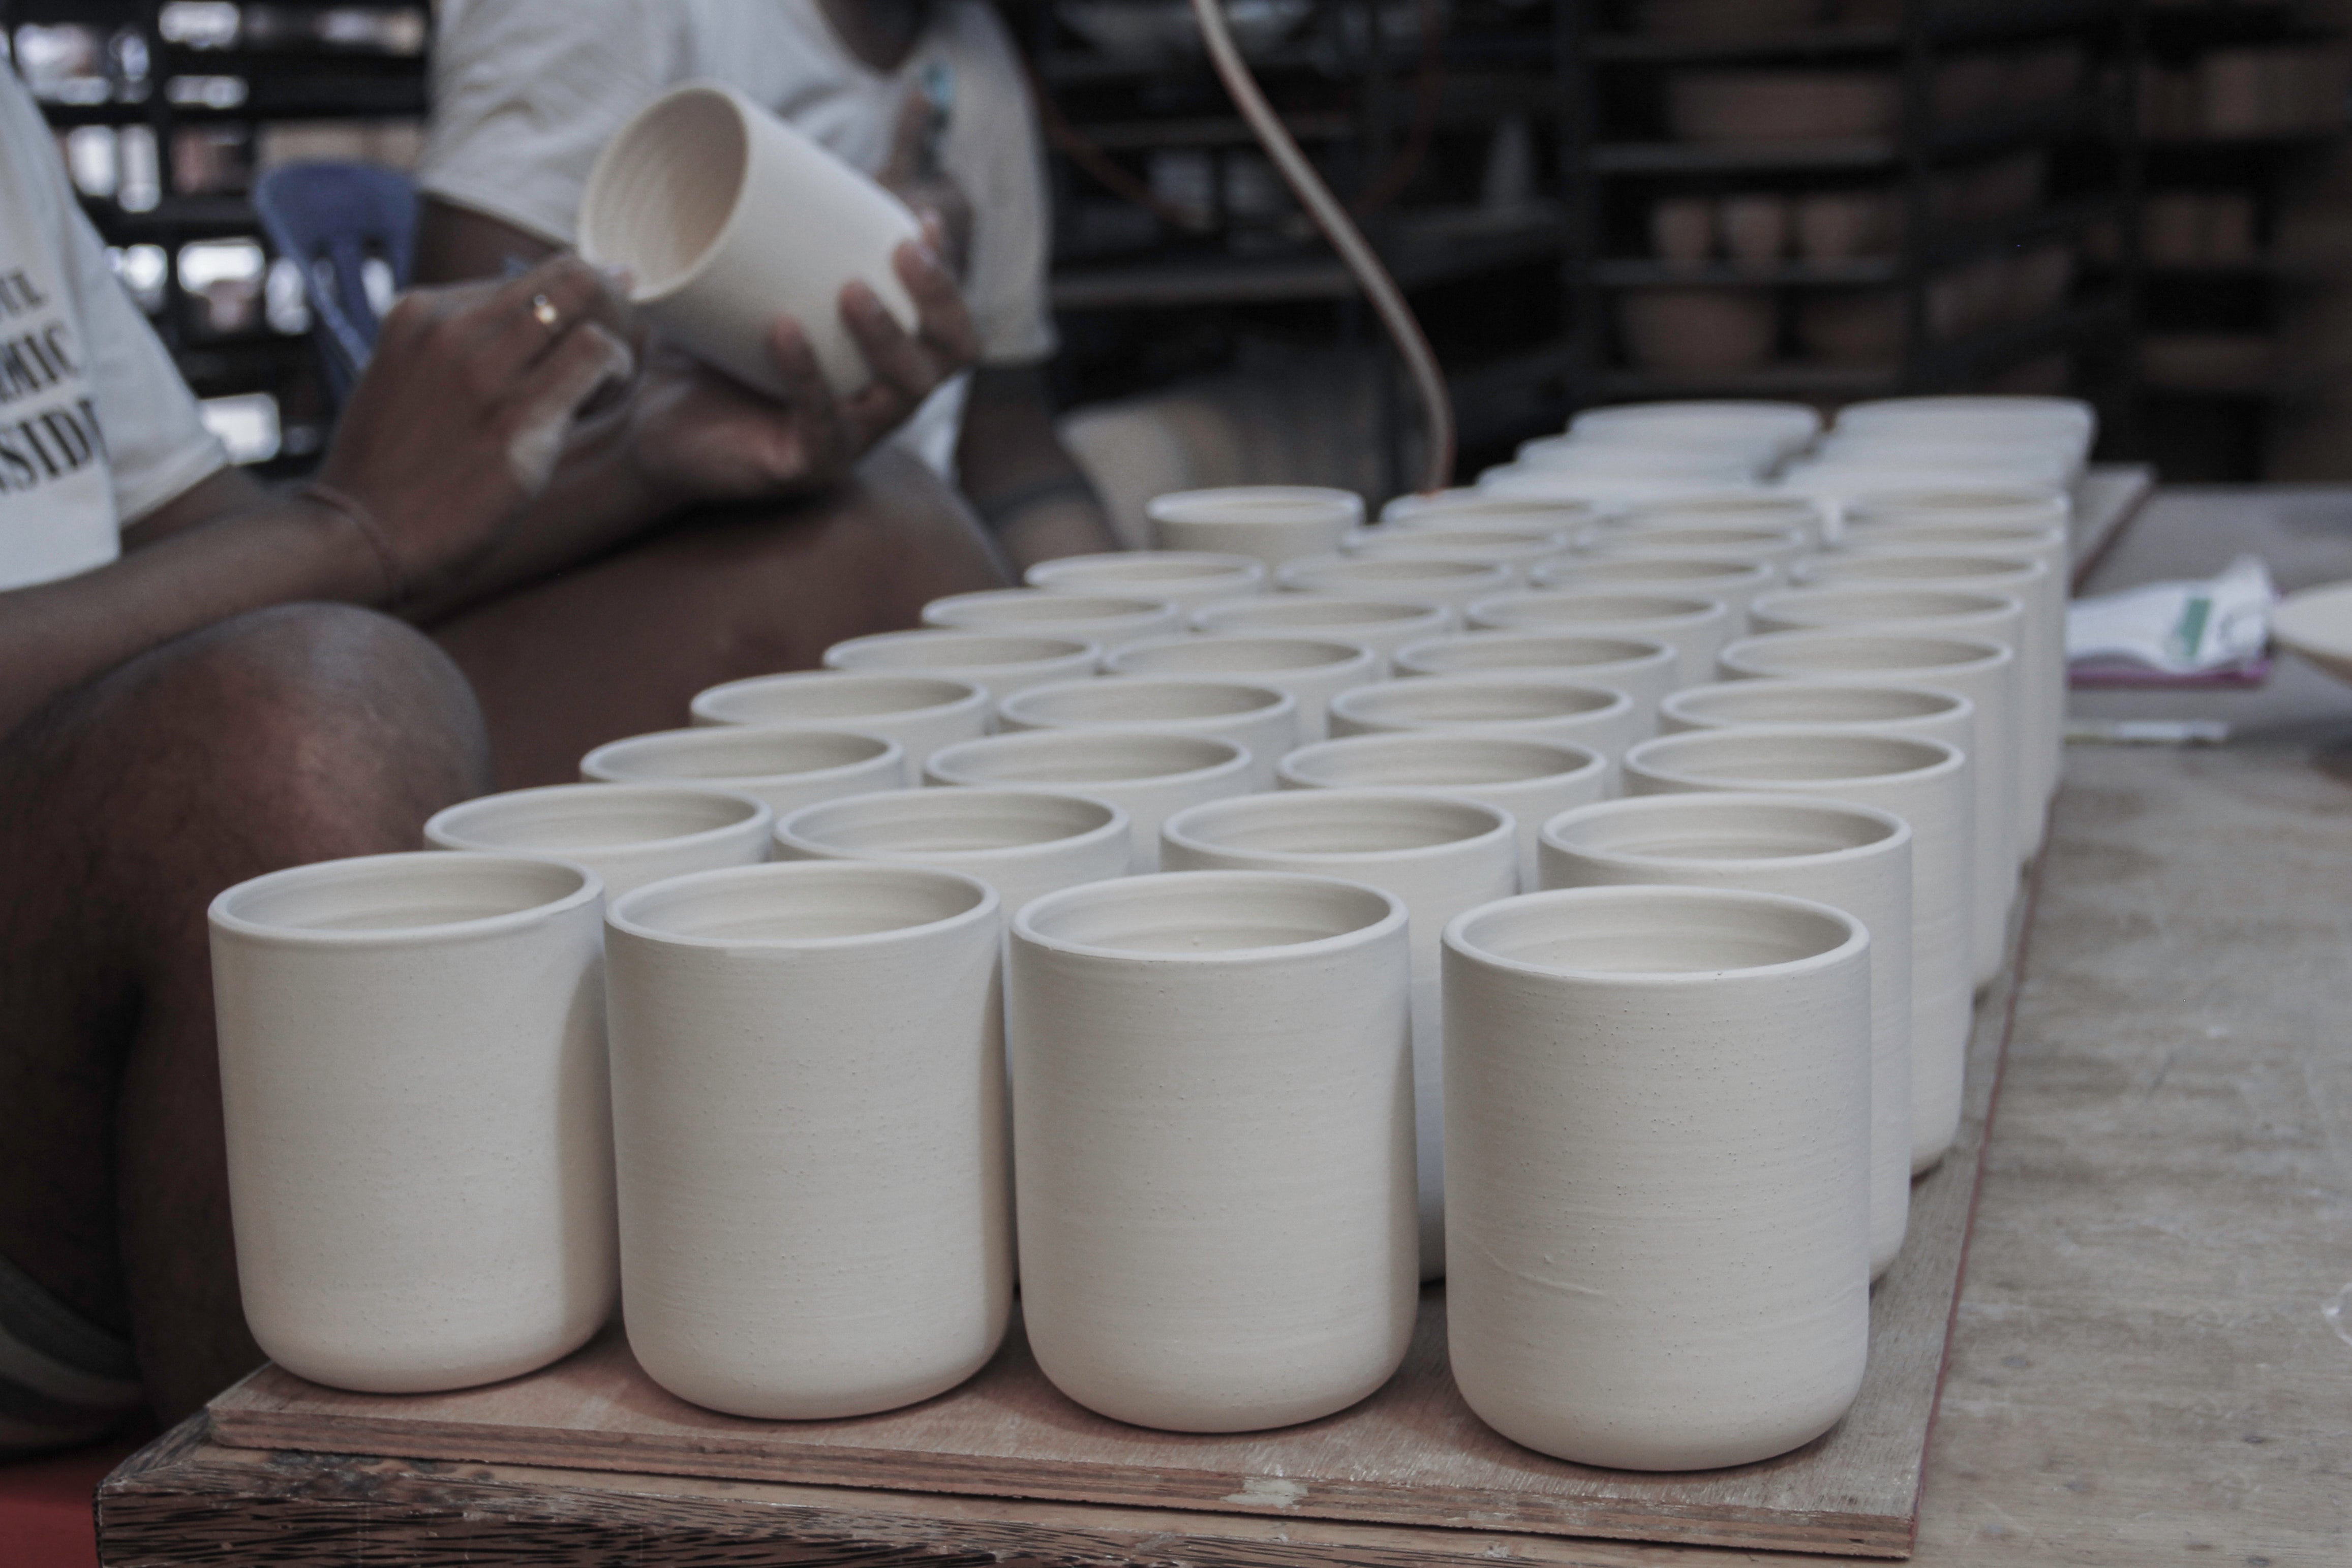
(808, 1111)
(921, 713)
(1383, 625)
(412, 1088)
(782, 769)
(1262, 720)
(628, 835)
(1022, 842)
(1269, 523)
(1313, 670)
(1657, 1101)
(1854, 857)
(1643, 670)
(1532, 707)
(1214, 1115)
(999, 663)
(1149, 774)
(1438, 856)
(1926, 784)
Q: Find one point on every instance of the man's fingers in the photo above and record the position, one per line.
(554, 391)
(898, 360)
(945, 322)
(811, 408)
(525, 318)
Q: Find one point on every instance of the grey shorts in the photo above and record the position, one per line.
(63, 1380)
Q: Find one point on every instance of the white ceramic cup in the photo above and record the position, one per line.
(1643, 669)
(1657, 1103)
(1522, 548)
(628, 835)
(1981, 671)
(786, 769)
(1533, 707)
(1631, 566)
(1473, 508)
(1262, 720)
(1213, 1126)
(1438, 856)
(1186, 578)
(1272, 523)
(728, 218)
(1755, 509)
(414, 1093)
(1854, 857)
(808, 1110)
(1454, 581)
(1697, 628)
(1534, 780)
(1313, 670)
(1112, 620)
(999, 663)
(1789, 426)
(1022, 842)
(1776, 548)
(2042, 651)
(1383, 625)
(921, 713)
(2013, 505)
(1926, 711)
(1925, 783)
(1148, 774)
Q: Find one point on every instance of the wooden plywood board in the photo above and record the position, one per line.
(1410, 1455)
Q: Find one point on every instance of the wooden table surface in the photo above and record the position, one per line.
(2152, 1359)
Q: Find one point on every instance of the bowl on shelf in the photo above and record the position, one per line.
(1697, 331)
(1852, 326)
(1840, 225)
(1724, 106)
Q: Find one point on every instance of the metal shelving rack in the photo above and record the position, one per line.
(1614, 159)
(171, 69)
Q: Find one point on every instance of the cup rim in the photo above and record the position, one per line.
(1984, 654)
(1015, 708)
(1454, 740)
(440, 829)
(1209, 566)
(223, 915)
(1896, 832)
(623, 914)
(1181, 505)
(1949, 758)
(708, 702)
(591, 216)
(1206, 619)
(1501, 829)
(1134, 607)
(892, 752)
(1672, 705)
(1620, 705)
(1352, 653)
(1698, 610)
(1074, 735)
(1993, 606)
(1115, 824)
(1660, 656)
(1024, 924)
(1457, 938)
(1071, 648)
(1992, 565)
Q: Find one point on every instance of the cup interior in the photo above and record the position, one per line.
(798, 900)
(1629, 932)
(1855, 653)
(563, 818)
(1257, 504)
(944, 821)
(1637, 560)
(1806, 702)
(959, 650)
(1665, 534)
(1429, 760)
(734, 752)
(1205, 912)
(1899, 568)
(1379, 571)
(1313, 614)
(1077, 756)
(1437, 541)
(1510, 651)
(1471, 700)
(1233, 655)
(663, 193)
(400, 893)
(1136, 699)
(1717, 827)
(1786, 757)
(1330, 822)
(1569, 607)
(1017, 606)
(1148, 569)
(840, 696)
(1832, 606)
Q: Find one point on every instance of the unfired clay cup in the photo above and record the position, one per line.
(1854, 857)
(1262, 720)
(728, 218)
(1774, 547)
(1438, 856)
(1532, 707)
(1272, 523)
(1184, 1046)
(1534, 780)
(1473, 508)
(1722, 508)
(414, 1093)
(785, 768)
(1926, 711)
(1657, 1107)
(1022, 842)
(999, 663)
(1925, 783)
(1697, 628)
(1112, 620)
(1979, 669)
(628, 835)
(1451, 581)
(808, 1111)
(921, 713)
(1643, 670)
(1313, 670)
(1382, 625)
(1788, 426)
(1630, 567)
(1148, 774)
(1186, 578)
(1522, 548)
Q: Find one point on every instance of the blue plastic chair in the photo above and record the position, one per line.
(333, 218)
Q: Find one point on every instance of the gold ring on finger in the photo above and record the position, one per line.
(544, 310)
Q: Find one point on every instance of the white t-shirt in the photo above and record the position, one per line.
(526, 95)
(97, 429)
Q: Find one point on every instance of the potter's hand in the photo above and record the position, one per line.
(912, 174)
(697, 434)
(465, 408)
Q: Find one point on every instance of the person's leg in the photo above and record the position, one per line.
(619, 646)
(298, 734)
